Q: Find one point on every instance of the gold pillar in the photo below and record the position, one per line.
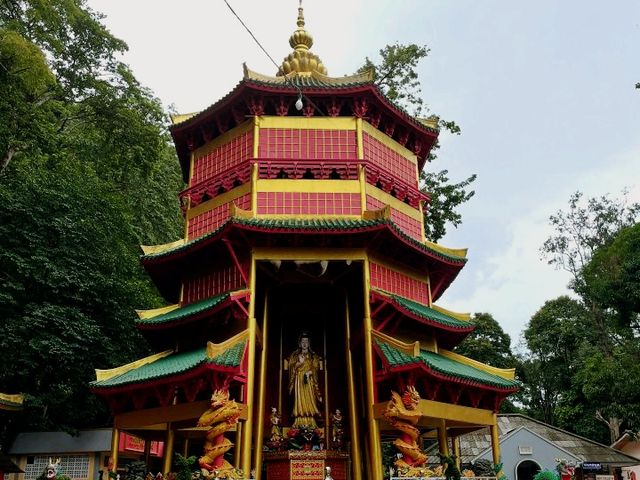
(247, 434)
(185, 447)
(115, 444)
(374, 429)
(495, 442)
(254, 189)
(356, 461)
(168, 450)
(442, 438)
(455, 444)
(236, 453)
(262, 393)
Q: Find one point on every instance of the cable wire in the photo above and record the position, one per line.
(286, 79)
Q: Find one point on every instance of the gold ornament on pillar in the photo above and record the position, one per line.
(403, 415)
(222, 416)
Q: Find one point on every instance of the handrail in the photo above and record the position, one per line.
(316, 168)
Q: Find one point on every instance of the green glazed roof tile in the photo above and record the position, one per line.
(174, 364)
(430, 313)
(444, 366)
(319, 224)
(448, 366)
(186, 310)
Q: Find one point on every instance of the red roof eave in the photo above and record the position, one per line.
(182, 377)
(424, 321)
(230, 301)
(387, 370)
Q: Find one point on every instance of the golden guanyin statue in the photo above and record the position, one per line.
(304, 367)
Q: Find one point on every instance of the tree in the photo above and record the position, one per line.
(584, 235)
(69, 279)
(488, 343)
(612, 278)
(396, 76)
(92, 176)
(584, 228)
(26, 83)
(553, 337)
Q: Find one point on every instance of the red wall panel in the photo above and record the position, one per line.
(289, 143)
(223, 158)
(211, 219)
(398, 283)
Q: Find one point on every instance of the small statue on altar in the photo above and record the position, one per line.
(276, 428)
(304, 384)
(276, 439)
(337, 431)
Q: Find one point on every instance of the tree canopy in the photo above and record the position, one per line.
(87, 174)
(583, 351)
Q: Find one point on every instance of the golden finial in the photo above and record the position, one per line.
(301, 60)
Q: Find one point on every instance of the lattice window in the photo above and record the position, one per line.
(306, 203)
(211, 219)
(223, 158)
(74, 466)
(289, 143)
(219, 281)
(390, 160)
(407, 224)
(395, 282)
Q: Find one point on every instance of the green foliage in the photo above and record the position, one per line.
(584, 228)
(396, 75)
(80, 48)
(546, 475)
(185, 466)
(612, 278)
(584, 352)
(92, 175)
(26, 84)
(446, 197)
(69, 279)
(451, 472)
(488, 343)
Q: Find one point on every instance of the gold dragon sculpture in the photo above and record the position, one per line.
(222, 416)
(402, 414)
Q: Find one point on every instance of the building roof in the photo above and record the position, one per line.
(431, 314)
(443, 366)
(473, 445)
(31, 443)
(7, 465)
(320, 225)
(452, 327)
(174, 364)
(233, 109)
(163, 264)
(188, 312)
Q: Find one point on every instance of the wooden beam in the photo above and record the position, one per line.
(171, 413)
(431, 409)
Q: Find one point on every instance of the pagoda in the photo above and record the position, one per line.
(302, 311)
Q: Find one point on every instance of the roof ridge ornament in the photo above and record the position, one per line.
(301, 61)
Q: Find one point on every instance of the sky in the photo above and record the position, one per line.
(543, 91)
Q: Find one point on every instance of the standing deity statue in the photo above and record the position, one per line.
(304, 367)
(337, 430)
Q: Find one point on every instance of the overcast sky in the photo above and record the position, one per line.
(543, 91)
